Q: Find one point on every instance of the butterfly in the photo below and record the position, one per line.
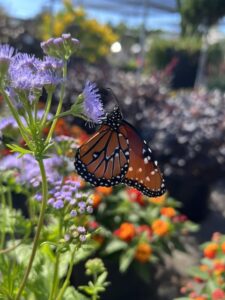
(117, 154)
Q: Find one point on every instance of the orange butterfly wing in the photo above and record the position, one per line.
(143, 172)
(103, 160)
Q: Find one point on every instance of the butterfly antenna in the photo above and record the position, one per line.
(114, 96)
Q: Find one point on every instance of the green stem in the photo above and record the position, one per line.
(16, 117)
(67, 280)
(9, 196)
(55, 277)
(63, 114)
(59, 108)
(39, 226)
(95, 295)
(56, 269)
(4, 221)
(47, 109)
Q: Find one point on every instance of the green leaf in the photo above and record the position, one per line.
(114, 246)
(72, 294)
(16, 148)
(126, 259)
(194, 271)
(101, 278)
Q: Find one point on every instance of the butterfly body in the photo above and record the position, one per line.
(117, 154)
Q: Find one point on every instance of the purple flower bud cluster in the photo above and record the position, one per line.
(62, 47)
(92, 104)
(6, 53)
(66, 194)
(76, 233)
(27, 172)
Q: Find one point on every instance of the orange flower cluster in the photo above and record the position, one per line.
(214, 268)
(100, 192)
(160, 227)
(126, 232)
(169, 212)
(210, 250)
(143, 252)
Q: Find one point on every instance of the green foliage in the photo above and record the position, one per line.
(96, 38)
(96, 269)
(162, 52)
(201, 12)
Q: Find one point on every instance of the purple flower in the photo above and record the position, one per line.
(24, 60)
(51, 201)
(89, 209)
(49, 79)
(82, 238)
(82, 204)
(51, 63)
(67, 237)
(38, 197)
(66, 36)
(92, 104)
(28, 73)
(62, 47)
(73, 213)
(24, 79)
(8, 122)
(6, 53)
(58, 204)
(81, 229)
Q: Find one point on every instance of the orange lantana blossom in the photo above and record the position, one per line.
(169, 212)
(210, 250)
(126, 232)
(104, 190)
(143, 252)
(160, 227)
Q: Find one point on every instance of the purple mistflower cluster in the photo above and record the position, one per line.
(8, 122)
(6, 53)
(27, 73)
(76, 232)
(92, 104)
(66, 194)
(62, 47)
(27, 172)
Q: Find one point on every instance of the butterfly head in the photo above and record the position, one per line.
(114, 118)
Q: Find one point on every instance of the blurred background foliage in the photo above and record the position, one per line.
(96, 38)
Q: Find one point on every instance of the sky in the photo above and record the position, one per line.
(29, 8)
